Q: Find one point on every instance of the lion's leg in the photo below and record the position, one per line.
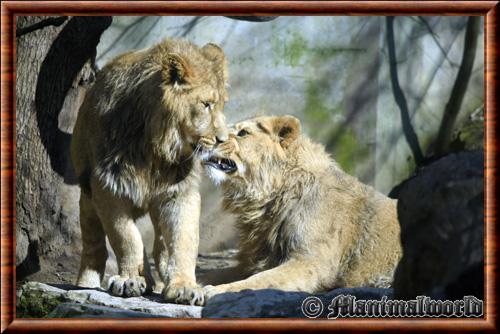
(293, 275)
(147, 271)
(94, 252)
(178, 221)
(133, 278)
(160, 251)
(125, 239)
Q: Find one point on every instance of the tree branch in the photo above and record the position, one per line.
(190, 25)
(51, 21)
(253, 18)
(409, 132)
(458, 91)
(436, 40)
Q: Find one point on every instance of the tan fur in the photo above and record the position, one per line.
(305, 225)
(134, 152)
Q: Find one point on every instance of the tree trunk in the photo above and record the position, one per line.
(55, 64)
(399, 96)
(459, 88)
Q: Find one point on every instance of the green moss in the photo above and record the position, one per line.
(36, 304)
(295, 50)
(290, 50)
(316, 111)
(347, 151)
(330, 51)
(340, 141)
(469, 137)
(276, 42)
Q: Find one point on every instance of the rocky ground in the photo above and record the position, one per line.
(211, 268)
(36, 300)
(441, 212)
(61, 299)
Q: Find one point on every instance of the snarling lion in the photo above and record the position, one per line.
(305, 225)
(134, 149)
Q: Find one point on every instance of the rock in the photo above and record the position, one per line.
(469, 135)
(42, 300)
(441, 212)
(74, 310)
(146, 304)
(271, 303)
(218, 267)
(38, 300)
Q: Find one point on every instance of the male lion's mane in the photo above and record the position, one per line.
(136, 103)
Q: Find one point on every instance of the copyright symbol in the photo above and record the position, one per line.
(312, 307)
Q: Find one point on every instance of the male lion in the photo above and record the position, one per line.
(305, 225)
(138, 131)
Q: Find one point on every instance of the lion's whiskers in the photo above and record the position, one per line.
(194, 153)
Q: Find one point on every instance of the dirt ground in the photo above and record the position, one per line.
(211, 268)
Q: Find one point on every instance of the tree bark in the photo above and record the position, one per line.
(458, 91)
(54, 67)
(399, 96)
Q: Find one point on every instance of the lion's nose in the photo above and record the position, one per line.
(221, 138)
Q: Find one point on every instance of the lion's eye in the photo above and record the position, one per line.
(208, 106)
(242, 133)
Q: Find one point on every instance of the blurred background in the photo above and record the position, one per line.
(373, 90)
(333, 73)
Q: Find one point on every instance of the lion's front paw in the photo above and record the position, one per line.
(209, 291)
(127, 287)
(184, 294)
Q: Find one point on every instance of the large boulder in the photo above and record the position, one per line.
(36, 300)
(272, 303)
(441, 212)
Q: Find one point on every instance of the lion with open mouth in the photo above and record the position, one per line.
(135, 151)
(305, 225)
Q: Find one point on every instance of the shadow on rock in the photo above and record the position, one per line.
(72, 48)
(441, 212)
(272, 303)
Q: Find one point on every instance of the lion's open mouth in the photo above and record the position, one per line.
(222, 164)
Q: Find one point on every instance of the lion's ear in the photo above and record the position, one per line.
(287, 128)
(177, 70)
(215, 54)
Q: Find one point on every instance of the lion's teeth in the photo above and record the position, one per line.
(218, 161)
